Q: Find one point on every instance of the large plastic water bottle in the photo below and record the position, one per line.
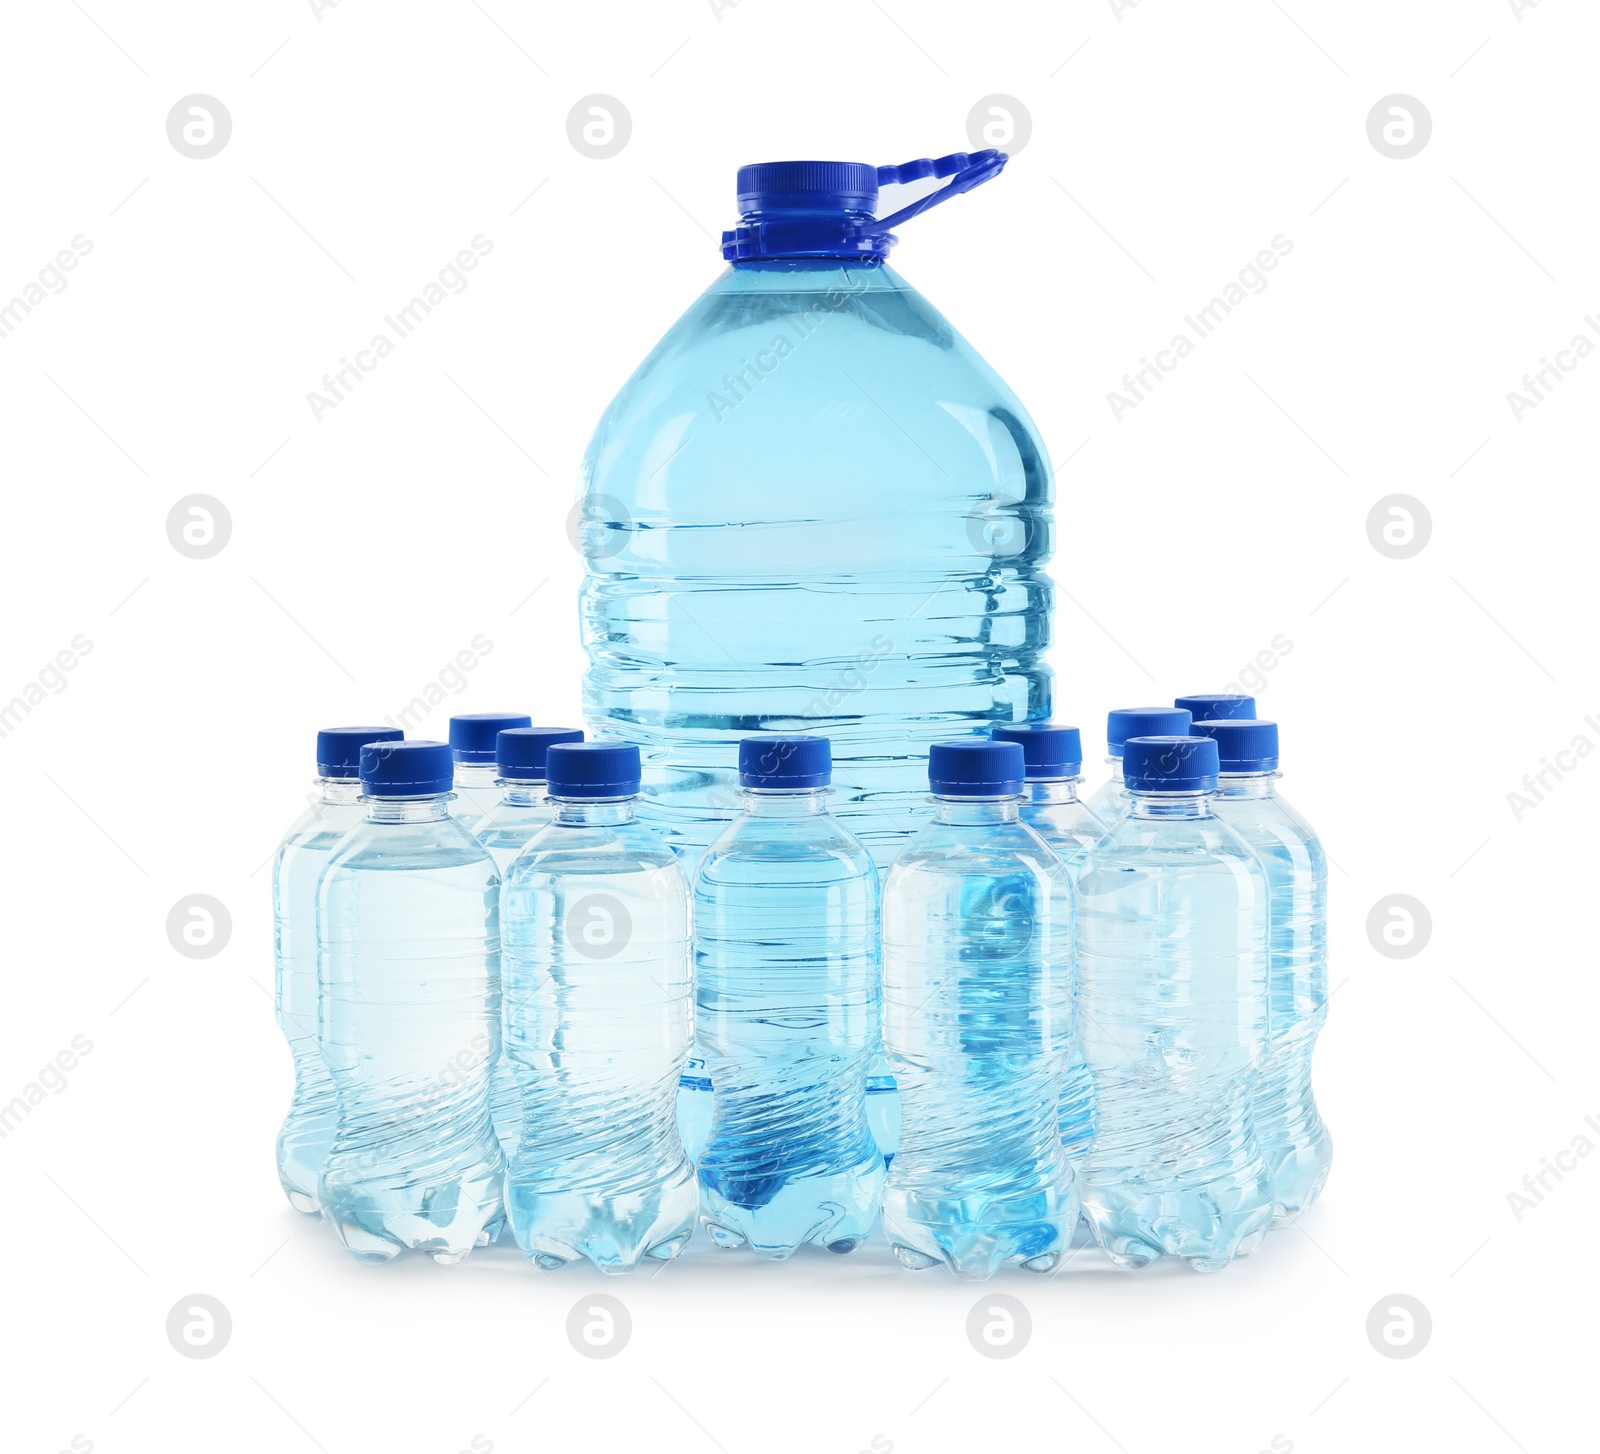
(813, 509)
(1052, 758)
(1294, 1141)
(472, 744)
(520, 811)
(1172, 992)
(597, 1013)
(335, 808)
(787, 1012)
(978, 1008)
(409, 975)
(1110, 800)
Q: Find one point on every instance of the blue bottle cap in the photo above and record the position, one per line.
(406, 769)
(592, 770)
(472, 734)
(1126, 722)
(785, 762)
(339, 748)
(975, 769)
(519, 751)
(825, 209)
(1244, 745)
(1169, 764)
(1216, 706)
(1048, 751)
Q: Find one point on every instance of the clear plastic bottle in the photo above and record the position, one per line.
(335, 808)
(597, 1023)
(409, 977)
(1172, 990)
(1294, 1140)
(1110, 800)
(813, 508)
(787, 1012)
(1053, 761)
(978, 1007)
(521, 810)
(477, 779)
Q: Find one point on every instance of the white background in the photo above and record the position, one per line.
(1169, 144)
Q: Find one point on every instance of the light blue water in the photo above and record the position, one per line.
(504, 828)
(787, 1018)
(597, 1027)
(1052, 808)
(409, 970)
(978, 1009)
(1294, 1140)
(813, 508)
(307, 1132)
(1172, 995)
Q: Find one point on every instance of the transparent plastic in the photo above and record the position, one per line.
(1294, 1140)
(787, 1019)
(1172, 994)
(409, 977)
(597, 1025)
(1053, 809)
(813, 508)
(307, 1132)
(978, 1010)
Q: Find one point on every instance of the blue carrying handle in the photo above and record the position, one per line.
(966, 169)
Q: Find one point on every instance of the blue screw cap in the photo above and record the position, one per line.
(975, 769)
(785, 762)
(472, 735)
(592, 770)
(406, 769)
(1243, 745)
(1217, 706)
(1169, 764)
(1048, 751)
(1126, 722)
(339, 748)
(519, 751)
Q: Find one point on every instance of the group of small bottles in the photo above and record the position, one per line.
(491, 974)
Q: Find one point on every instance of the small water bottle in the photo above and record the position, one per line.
(1294, 1141)
(409, 978)
(477, 778)
(787, 1012)
(597, 1023)
(335, 808)
(1052, 758)
(1172, 992)
(1110, 800)
(978, 1008)
(521, 810)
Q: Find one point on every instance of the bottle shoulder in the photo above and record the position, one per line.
(1272, 826)
(986, 850)
(561, 849)
(430, 844)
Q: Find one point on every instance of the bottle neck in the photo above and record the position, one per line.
(336, 791)
(785, 802)
(476, 774)
(522, 792)
(408, 810)
(975, 812)
(1246, 784)
(1116, 768)
(1171, 805)
(1042, 791)
(592, 812)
